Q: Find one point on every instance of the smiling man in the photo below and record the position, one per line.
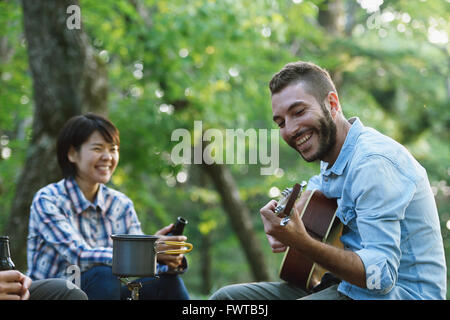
(393, 246)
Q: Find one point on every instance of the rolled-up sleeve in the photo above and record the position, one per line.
(381, 194)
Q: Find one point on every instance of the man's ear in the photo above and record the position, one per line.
(333, 101)
(72, 154)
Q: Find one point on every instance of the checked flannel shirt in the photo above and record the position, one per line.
(66, 229)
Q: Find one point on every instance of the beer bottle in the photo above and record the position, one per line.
(5, 255)
(178, 228)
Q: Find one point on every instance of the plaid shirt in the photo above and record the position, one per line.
(66, 229)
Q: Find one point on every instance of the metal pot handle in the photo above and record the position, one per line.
(175, 243)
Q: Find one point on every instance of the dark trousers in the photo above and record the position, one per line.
(99, 283)
(55, 289)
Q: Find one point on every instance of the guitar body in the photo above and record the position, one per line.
(318, 214)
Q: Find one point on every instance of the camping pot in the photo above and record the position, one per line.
(135, 255)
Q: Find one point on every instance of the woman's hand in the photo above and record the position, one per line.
(171, 260)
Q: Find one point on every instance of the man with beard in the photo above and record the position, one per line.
(393, 246)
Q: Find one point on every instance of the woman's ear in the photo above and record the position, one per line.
(72, 154)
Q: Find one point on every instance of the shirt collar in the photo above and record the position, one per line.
(346, 150)
(79, 201)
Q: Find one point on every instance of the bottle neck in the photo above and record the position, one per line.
(4, 249)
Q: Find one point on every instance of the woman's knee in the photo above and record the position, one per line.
(99, 283)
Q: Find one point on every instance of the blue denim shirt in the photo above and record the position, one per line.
(386, 203)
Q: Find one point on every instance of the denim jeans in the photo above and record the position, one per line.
(99, 283)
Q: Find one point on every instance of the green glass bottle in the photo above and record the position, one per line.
(5, 256)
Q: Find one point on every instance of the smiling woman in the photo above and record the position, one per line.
(88, 149)
(77, 131)
(71, 221)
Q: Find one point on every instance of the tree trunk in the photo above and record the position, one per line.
(67, 80)
(331, 17)
(240, 218)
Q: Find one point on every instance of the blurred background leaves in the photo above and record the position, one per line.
(170, 63)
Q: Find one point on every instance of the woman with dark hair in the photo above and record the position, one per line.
(71, 221)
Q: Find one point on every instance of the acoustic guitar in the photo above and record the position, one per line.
(318, 214)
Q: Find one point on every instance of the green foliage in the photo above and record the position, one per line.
(173, 62)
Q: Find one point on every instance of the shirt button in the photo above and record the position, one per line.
(325, 179)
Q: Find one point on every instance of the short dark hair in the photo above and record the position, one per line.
(76, 131)
(317, 79)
